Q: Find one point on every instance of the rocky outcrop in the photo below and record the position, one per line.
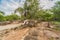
(41, 32)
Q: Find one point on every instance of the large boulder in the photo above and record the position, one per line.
(30, 23)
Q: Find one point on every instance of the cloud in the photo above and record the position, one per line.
(8, 6)
(46, 4)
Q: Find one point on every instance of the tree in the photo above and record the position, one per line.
(2, 13)
(2, 16)
(30, 9)
(56, 11)
(47, 16)
(12, 17)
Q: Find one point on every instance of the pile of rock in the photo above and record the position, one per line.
(29, 23)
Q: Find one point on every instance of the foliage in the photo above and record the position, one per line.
(2, 13)
(57, 28)
(57, 25)
(12, 17)
(2, 18)
(30, 9)
(56, 11)
(8, 17)
(47, 16)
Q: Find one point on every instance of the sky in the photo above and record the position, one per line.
(8, 6)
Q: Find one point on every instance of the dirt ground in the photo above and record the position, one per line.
(9, 26)
(35, 33)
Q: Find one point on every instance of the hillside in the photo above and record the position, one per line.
(41, 32)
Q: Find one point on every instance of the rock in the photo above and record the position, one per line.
(29, 23)
(52, 26)
(51, 34)
(28, 37)
(33, 32)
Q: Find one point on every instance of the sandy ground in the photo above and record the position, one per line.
(16, 35)
(39, 32)
(9, 26)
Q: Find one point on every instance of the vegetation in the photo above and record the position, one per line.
(57, 25)
(12, 17)
(2, 18)
(8, 17)
(56, 11)
(32, 10)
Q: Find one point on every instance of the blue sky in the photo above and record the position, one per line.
(8, 6)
